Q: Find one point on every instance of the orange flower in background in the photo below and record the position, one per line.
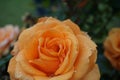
(7, 35)
(82, 3)
(112, 47)
(54, 50)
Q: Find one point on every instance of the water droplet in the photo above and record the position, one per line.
(51, 75)
(75, 71)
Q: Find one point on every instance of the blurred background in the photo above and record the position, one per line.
(96, 17)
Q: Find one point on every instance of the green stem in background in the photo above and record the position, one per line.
(5, 59)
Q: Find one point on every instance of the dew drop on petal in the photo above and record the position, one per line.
(75, 71)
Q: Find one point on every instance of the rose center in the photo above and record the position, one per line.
(52, 51)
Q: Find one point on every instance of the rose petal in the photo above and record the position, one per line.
(11, 68)
(65, 76)
(26, 66)
(94, 74)
(20, 74)
(85, 51)
(43, 65)
(73, 26)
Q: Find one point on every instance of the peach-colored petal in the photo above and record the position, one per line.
(85, 51)
(94, 74)
(11, 68)
(20, 74)
(116, 42)
(42, 65)
(27, 67)
(65, 76)
(73, 26)
(115, 62)
(71, 55)
(42, 19)
(16, 50)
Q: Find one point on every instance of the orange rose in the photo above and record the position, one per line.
(112, 47)
(54, 50)
(7, 35)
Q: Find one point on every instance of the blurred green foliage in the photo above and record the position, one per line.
(96, 17)
(11, 11)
